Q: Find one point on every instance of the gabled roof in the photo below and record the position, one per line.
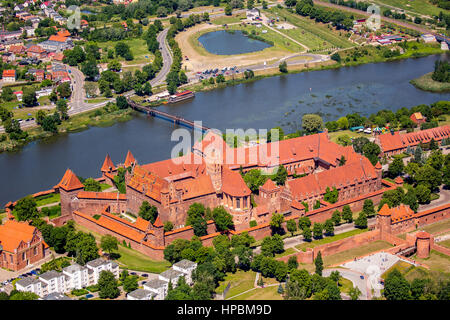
(129, 160)
(9, 73)
(269, 185)
(385, 210)
(108, 165)
(69, 181)
(158, 222)
(12, 233)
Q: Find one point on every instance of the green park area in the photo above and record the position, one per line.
(138, 48)
(131, 259)
(317, 36)
(421, 7)
(228, 19)
(426, 83)
(47, 199)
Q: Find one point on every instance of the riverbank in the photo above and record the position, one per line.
(426, 83)
(348, 58)
(103, 117)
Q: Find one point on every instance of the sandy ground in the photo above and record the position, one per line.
(202, 61)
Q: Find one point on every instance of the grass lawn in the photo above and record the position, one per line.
(437, 227)
(345, 285)
(401, 266)
(316, 36)
(132, 259)
(47, 199)
(267, 293)
(96, 100)
(352, 134)
(445, 243)
(240, 281)
(285, 253)
(138, 48)
(104, 186)
(355, 252)
(315, 243)
(423, 7)
(227, 19)
(436, 261)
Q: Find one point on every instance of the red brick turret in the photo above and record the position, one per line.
(423, 244)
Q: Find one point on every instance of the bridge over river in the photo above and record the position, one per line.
(166, 116)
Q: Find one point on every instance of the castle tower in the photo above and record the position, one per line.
(108, 169)
(130, 161)
(423, 244)
(384, 219)
(158, 231)
(214, 168)
(68, 188)
(379, 172)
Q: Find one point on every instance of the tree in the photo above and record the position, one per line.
(61, 106)
(114, 65)
(396, 287)
(109, 243)
(344, 140)
(283, 67)
(354, 293)
(291, 226)
(7, 95)
(368, 208)
(19, 295)
(121, 102)
(148, 212)
(347, 214)
(276, 223)
(304, 222)
(306, 232)
(292, 263)
(228, 10)
(108, 286)
(222, 219)
(418, 158)
(359, 143)
(254, 179)
(26, 209)
(423, 194)
(361, 221)
(168, 226)
(29, 97)
(329, 227)
(331, 196)
(312, 123)
(319, 264)
(336, 217)
(336, 57)
(318, 230)
(91, 184)
(64, 90)
(429, 176)
(396, 167)
(130, 283)
(371, 151)
(280, 176)
(410, 199)
(90, 69)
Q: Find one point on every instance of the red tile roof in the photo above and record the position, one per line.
(101, 195)
(423, 235)
(269, 185)
(397, 141)
(108, 165)
(129, 160)
(12, 233)
(69, 181)
(158, 223)
(385, 210)
(233, 184)
(9, 73)
(57, 38)
(35, 49)
(147, 183)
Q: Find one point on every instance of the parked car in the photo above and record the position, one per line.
(89, 295)
(144, 275)
(362, 277)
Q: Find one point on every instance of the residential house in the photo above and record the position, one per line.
(9, 75)
(55, 296)
(141, 294)
(76, 276)
(99, 265)
(36, 52)
(186, 267)
(418, 118)
(158, 287)
(53, 281)
(171, 275)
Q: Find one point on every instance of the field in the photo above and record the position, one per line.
(132, 259)
(445, 243)
(47, 199)
(437, 227)
(422, 7)
(325, 240)
(267, 293)
(241, 281)
(436, 261)
(355, 252)
(316, 36)
(25, 112)
(426, 83)
(138, 47)
(227, 20)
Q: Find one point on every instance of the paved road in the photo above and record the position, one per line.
(167, 59)
(355, 278)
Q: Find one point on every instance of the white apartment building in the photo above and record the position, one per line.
(72, 277)
(157, 288)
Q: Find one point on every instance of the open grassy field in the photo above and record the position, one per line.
(228, 19)
(267, 293)
(352, 134)
(138, 48)
(47, 199)
(437, 227)
(325, 240)
(132, 259)
(445, 243)
(422, 7)
(355, 252)
(240, 281)
(316, 36)
(436, 261)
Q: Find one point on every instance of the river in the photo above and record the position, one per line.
(265, 103)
